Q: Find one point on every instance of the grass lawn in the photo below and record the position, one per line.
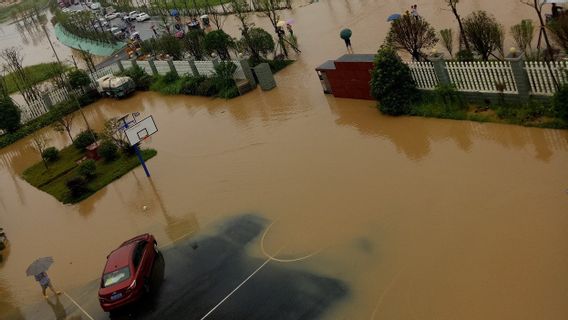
(7, 12)
(53, 180)
(35, 74)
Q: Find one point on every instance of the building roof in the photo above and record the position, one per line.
(328, 65)
(356, 58)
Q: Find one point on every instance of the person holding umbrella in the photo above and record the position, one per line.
(38, 269)
(345, 34)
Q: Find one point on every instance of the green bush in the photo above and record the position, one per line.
(219, 42)
(78, 78)
(207, 88)
(108, 150)
(50, 154)
(260, 41)
(465, 55)
(192, 83)
(84, 139)
(87, 169)
(229, 93)
(170, 77)
(140, 77)
(9, 115)
(162, 85)
(448, 96)
(560, 102)
(392, 83)
(77, 186)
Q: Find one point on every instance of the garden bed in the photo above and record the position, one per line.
(54, 179)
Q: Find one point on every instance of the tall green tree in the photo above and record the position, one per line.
(219, 42)
(484, 33)
(392, 83)
(10, 114)
(413, 34)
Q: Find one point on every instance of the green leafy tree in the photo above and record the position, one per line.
(392, 83)
(9, 114)
(220, 42)
(484, 33)
(453, 4)
(88, 169)
(412, 34)
(78, 78)
(50, 154)
(560, 102)
(171, 46)
(108, 150)
(261, 41)
(84, 139)
(194, 43)
(523, 34)
(559, 29)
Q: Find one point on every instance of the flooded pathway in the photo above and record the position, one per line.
(419, 218)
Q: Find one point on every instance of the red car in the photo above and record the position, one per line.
(127, 272)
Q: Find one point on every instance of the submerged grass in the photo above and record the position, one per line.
(53, 180)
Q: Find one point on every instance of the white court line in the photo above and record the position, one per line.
(237, 288)
(78, 306)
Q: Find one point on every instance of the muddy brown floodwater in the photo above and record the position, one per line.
(421, 218)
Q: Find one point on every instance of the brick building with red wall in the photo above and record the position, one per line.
(348, 76)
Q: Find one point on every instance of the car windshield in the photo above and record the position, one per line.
(115, 277)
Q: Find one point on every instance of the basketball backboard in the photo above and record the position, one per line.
(140, 130)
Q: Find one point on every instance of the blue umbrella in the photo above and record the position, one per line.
(393, 17)
(174, 13)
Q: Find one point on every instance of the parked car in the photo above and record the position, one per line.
(111, 16)
(101, 22)
(95, 6)
(132, 15)
(127, 273)
(142, 17)
(117, 32)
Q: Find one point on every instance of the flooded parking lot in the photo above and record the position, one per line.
(404, 217)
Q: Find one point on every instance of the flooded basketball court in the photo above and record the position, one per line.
(403, 218)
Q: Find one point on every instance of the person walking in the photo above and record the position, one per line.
(45, 283)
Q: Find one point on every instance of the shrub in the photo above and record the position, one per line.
(192, 83)
(77, 186)
(260, 41)
(50, 154)
(140, 77)
(108, 150)
(392, 84)
(9, 115)
(229, 93)
(207, 88)
(78, 78)
(87, 169)
(560, 102)
(465, 55)
(84, 139)
(448, 96)
(218, 41)
(170, 77)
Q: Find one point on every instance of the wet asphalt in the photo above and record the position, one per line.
(197, 274)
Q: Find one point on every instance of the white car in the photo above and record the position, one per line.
(133, 15)
(110, 16)
(142, 17)
(95, 6)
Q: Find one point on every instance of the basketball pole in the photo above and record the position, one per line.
(137, 151)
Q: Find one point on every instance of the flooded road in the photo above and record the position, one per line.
(418, 218)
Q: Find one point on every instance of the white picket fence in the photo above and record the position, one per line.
(424, 75)
(485, 76)
(540, 78)
(205, 68)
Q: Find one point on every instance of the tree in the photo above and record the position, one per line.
(78, 79)
(484, 33)
(10, 114)
(523, 34)
(241, 10)
(39, 143)
(559, 28)
(13, 59)
(64, 122)
(392, 83)
(261, 40)
(447, 36)
(171, 46)
(216, 17)
(220, 42)
(194, 43)
(268, 8)
(453, 4)
(537, 5)
(412, 34)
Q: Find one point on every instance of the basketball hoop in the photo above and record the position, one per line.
(146, 139)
